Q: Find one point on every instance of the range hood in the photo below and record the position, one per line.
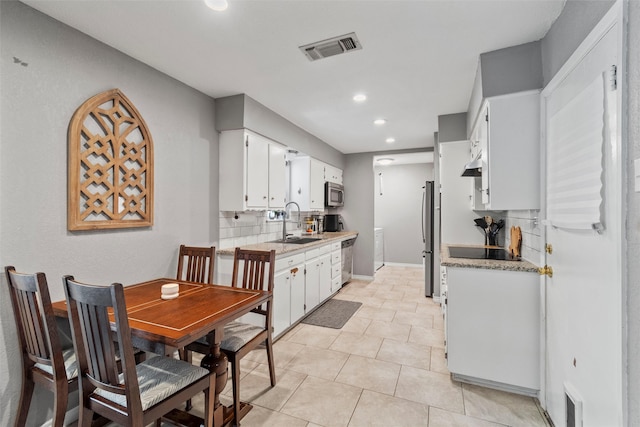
(474, 167)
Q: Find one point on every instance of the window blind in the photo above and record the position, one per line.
(574, 160)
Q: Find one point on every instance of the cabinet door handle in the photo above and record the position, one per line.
(294, 270)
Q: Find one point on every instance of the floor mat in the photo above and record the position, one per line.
(333, 313)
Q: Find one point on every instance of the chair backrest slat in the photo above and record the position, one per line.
(254, 269)
(199, 264)
(88, 307)
(35, 321)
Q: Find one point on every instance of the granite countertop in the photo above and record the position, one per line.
(488, 264)
(284, 248)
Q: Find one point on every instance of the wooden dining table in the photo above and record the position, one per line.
(201, 310)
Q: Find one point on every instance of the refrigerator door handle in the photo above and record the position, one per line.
(424, 194)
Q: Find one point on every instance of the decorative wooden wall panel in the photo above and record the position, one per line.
(110, 165)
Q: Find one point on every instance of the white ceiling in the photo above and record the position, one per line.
(418, 57)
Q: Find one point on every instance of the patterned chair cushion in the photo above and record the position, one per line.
(70, 364)
(159, 378)
(237, 334)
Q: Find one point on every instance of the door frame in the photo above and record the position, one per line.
(614, 16)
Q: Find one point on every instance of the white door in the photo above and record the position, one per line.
(583, 298)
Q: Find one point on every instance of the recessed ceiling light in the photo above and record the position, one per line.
(379, 121)
(390, 140)
(361, 97)
(217, 5)
(385, 161)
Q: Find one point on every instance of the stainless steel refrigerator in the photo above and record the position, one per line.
(428, 216)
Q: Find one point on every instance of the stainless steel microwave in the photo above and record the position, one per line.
(333, 195)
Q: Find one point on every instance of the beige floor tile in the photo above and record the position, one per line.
(256, 387)
(441, 418)
(430, 308)
(402, 306)
(263, 417)
(438, 322)
(502, 407)
(383, 314)
(430, 388)
(362, 292)
(369, 374)
(323, 402)
(427, 336)
(356, 324)
(438, 361)
(283, 352)
(359, 344)
(394, 331)
(389, 294)
(426, 321)
(373, 302)
(315, 336)
(318, 362)
(409, 354)
(376, 409)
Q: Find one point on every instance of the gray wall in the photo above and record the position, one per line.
(633, 217)
(358, 209)
(65, 68)
(572, 26)
(242, 111)
(513, 69)
(399, 210)
(452, 127)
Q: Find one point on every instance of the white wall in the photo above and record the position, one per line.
(398, 210)
(457, 225)
(64, 69)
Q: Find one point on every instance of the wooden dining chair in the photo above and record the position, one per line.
(195, 264)
(251, 270)
(44, 361)
(141, 393)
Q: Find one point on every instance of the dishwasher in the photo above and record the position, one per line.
(347, 259)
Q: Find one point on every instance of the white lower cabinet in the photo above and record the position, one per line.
(281, 305)
(336, 266)
(302, 281)
(311, 284)
(493, 328)
(297, 293)
(325, 276)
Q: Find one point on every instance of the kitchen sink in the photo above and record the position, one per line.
(297, 240)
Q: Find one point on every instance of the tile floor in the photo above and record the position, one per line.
(385, 367)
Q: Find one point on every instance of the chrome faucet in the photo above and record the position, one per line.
(284, 220)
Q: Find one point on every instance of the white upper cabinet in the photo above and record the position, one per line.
(307, 183)
(507, 132)
(332, 174)
(277, 175)
(252, 169)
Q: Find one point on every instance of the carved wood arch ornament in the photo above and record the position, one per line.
(110, 165)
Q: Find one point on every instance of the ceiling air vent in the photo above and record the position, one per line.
(331, 47)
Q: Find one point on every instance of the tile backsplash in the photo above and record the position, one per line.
(251, 227)
(528, 221)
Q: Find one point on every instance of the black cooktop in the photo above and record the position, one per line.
(481, 253)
